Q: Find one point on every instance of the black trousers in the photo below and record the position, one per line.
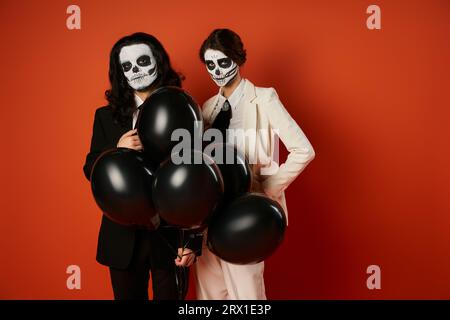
(151, 254)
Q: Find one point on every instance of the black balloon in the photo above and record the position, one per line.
(121, 183)
(248, 230)
(235, 169)
(186, 194)
(165, 110)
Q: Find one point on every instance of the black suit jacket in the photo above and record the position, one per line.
(116, 242)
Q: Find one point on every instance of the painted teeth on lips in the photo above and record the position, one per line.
(139, 77)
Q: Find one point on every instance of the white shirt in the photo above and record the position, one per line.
(236, 121)
(236, 110)
(136, 112)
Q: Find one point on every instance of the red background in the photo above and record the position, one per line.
(374, 104)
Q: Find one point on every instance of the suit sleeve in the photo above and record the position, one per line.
(301, 152)
(98, 145)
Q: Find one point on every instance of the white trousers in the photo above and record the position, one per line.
(217, 279)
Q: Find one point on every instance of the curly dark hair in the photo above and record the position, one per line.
(228, 42)
(121, 96)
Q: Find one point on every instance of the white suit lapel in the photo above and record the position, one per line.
(250, 116)
(248, 100)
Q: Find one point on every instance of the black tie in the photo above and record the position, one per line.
(222, 121)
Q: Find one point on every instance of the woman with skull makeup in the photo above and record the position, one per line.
(238, 105)
(138, 65)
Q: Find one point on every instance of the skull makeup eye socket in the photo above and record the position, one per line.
(126, 66)
(210, 65)
(224, 62)
(143, 61)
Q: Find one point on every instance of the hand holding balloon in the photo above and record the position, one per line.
(130, 140)
(185, 258)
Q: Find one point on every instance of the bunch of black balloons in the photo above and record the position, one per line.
(206, 191)
(141, 188)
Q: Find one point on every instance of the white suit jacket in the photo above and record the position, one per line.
(264, 114)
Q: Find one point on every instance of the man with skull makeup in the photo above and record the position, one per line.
(241, 105)
(138, 65)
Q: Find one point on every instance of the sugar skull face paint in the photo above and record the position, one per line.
(139, 65)
(220, 67)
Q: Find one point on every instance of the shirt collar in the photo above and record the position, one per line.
(235, 97)
(138, 101)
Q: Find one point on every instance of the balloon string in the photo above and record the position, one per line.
(181, 279)
(187, 242)
(181, 233)
(181, 272)
(175, 251)
(185, 246)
